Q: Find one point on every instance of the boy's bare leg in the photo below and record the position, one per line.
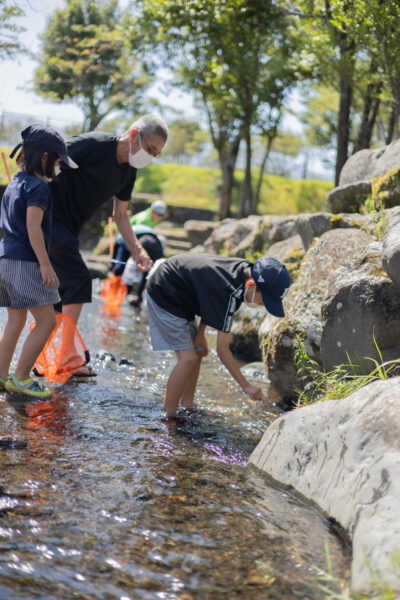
(9, 338)
(45, 322)
(187, 361)
(187, 397)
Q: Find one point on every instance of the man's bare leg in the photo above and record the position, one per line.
(73, 310)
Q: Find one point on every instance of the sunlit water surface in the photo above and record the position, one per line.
(101, 499)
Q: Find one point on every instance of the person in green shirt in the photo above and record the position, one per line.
(151, 216)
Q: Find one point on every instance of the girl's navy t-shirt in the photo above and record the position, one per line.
(211, 287)
(24, 190)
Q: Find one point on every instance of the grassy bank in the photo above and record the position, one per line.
(182, 185)
(199, 186)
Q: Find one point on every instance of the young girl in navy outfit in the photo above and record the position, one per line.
(27, 279)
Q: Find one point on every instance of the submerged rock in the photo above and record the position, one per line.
(106, 356)
(344, 456)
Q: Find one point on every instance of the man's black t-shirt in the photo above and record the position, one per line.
(78, 193)
(208, 286)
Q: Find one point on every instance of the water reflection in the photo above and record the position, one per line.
(101, 499)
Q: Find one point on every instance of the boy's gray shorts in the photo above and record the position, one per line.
(21, 285)
(167, 331)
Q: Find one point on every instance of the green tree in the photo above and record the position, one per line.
(236, 55)
(87, 59)
(328, 27)
(186, 138)
(9, 44)
(377, 24)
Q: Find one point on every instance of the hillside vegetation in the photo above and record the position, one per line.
(198, 186)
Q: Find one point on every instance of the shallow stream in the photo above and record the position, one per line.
(101, 499)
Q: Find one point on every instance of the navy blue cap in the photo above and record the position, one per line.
(273, 280)
(47, 139)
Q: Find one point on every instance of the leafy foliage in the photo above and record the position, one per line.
(9, 44)
(186, 138)
(236, 55)
(87, 59)
(316, 385)
(199, 186)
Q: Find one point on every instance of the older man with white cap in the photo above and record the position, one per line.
(107, 169)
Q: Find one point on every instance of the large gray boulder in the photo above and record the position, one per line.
(290, 252)
(365, 165)
(199, 231)
(349, 197)
(391, 247)
(239, 237)
(361, 313)
(303, 306)
(357, 175)
(248, 321)
(230, 233)
(244, 332)
(310, 226)
(344, 455)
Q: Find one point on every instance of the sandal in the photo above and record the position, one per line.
(85, 371)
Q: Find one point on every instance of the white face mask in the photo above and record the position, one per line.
(251, 302)
(141, 158)
(57, 170)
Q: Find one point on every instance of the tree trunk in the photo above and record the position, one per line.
(343, 131)
(393, 125)
(261, 172)
(247, 192)
(370, 112)
(227, 160)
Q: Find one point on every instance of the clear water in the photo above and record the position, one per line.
(101, 499)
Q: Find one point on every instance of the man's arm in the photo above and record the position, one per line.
(120, 214)
(228, 360)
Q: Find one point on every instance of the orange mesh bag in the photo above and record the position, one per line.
(113, 292)
(64, 352)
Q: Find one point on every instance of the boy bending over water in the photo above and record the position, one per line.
(212, 288)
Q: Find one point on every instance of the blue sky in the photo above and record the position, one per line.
(16, 74)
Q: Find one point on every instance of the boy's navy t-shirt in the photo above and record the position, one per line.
(78, 193)
(24, 190)
(211, 287)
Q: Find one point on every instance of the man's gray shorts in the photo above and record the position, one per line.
(167, 331)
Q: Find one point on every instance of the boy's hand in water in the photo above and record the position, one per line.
(200, 344)
(253, 392)
(49, 276)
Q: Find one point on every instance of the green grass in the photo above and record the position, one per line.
(317, 385)
(199, 186)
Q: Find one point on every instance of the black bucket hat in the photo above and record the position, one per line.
(47, 139)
